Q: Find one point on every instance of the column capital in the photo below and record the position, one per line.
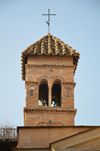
(50, 86)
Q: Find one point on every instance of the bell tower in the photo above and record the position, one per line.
(48, 68)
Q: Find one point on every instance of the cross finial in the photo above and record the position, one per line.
(48, 22)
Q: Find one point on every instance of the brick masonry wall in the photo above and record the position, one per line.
(31, 100)
(52, 69)
(42, 118)
(54, 60)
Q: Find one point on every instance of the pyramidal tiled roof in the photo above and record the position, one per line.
(48, 45)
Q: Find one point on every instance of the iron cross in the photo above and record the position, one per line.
(48, 22)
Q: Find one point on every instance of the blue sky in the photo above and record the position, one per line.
(77, 23)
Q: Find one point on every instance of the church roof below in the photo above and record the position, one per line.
(48, 45)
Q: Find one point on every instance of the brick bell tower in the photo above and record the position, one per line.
(48, 68)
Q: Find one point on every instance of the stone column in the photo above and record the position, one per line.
(50, 97)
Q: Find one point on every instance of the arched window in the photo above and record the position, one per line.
(31, 91)
(56, 94)
(43, 93)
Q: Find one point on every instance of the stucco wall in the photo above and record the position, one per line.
(41, 137)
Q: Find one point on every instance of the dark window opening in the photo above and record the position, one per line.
(56, 95)
(31, 92)
(43, 95)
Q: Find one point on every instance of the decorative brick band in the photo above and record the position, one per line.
(69, 83)
(31, 82)
(64, 83)
(49, 110)
(49, 66)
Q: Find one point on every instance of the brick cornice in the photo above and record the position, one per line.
(49, 66)
(49, 109)
(69, 83)
(31, 82)
(64, 83)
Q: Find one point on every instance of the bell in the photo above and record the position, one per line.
(52, 103)
(40, 103)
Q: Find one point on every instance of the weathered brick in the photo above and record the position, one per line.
(39, 68)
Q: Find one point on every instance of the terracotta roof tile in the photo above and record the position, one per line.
(48, 45)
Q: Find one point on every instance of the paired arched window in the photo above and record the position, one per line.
(44, 94)
(56, 94)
